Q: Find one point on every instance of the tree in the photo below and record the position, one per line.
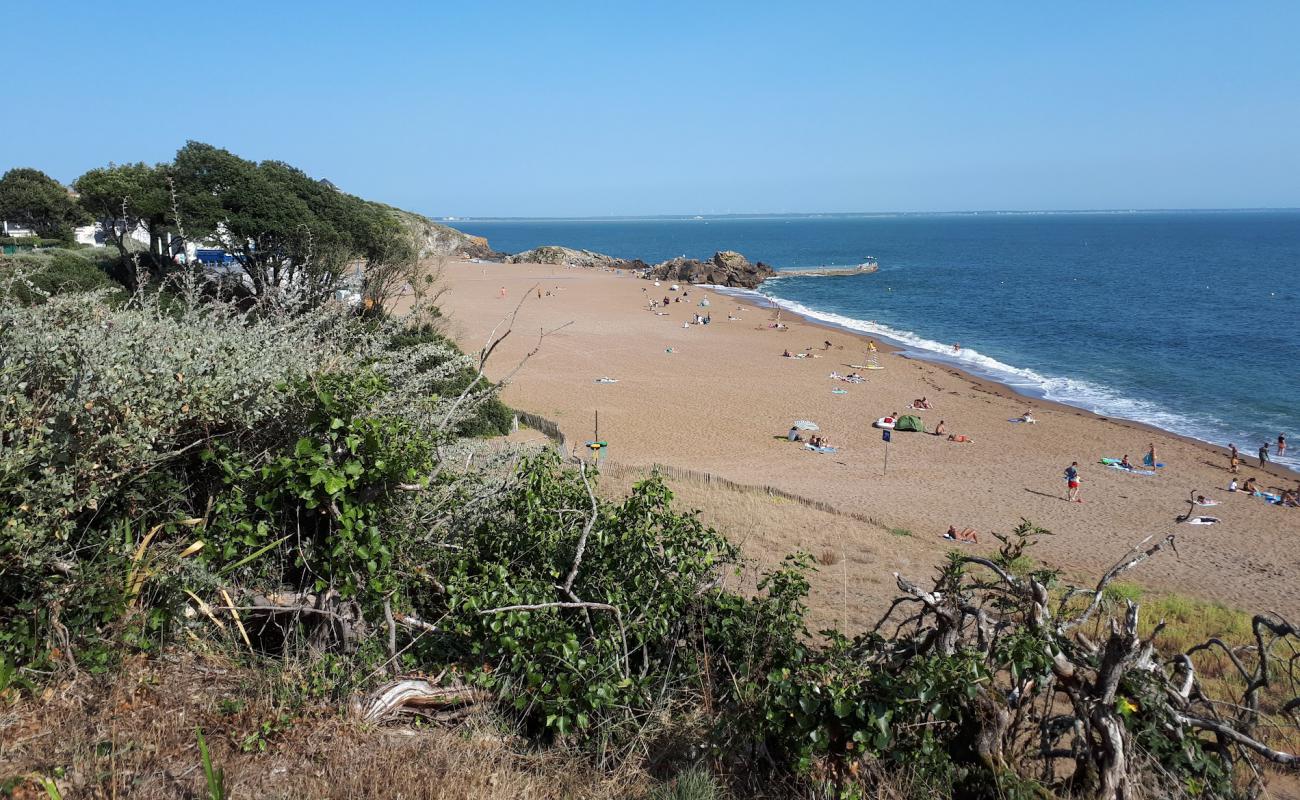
(392, 261)
(284, 228)
(30, 198)
(127, 198)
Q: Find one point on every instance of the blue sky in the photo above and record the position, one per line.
(555, 108)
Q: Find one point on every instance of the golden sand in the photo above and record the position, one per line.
(722, 401)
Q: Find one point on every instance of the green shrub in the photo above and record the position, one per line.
(492, 417)
(33, 278)
(107, 413)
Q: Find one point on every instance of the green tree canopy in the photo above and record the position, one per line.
(30, 198)
(282, 226)
(127, 197)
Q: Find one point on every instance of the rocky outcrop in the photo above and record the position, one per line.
(436, 239)
(566, 256)
(726, 268)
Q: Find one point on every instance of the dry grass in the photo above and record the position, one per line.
(1188, 622)
(135, 737)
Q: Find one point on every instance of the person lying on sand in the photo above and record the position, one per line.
(961, 438)
(1028, 417)
(923, 403)
(963, 535)
(1124, 462)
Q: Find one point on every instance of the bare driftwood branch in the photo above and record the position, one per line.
(1239, 738)
(391, 624)
(1135, 556)
(586, 531)
(418, 694)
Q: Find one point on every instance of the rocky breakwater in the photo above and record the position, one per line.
(727, 268)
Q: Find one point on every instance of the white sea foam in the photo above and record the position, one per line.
(1098, 399)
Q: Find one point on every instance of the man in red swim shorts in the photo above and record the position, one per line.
(1072, 482)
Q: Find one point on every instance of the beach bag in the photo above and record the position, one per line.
(907, 422)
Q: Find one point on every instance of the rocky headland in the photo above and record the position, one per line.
(435, 239)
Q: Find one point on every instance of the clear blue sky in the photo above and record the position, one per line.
(606, 108)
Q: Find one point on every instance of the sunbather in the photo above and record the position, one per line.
(963, 535)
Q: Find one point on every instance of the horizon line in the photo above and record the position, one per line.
(764, 214)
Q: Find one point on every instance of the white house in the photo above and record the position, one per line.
(15, 230)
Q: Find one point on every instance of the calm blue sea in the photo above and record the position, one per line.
(1184, 320)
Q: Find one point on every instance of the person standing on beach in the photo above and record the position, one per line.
(1263, 455)
(503, 292)
(1281, 443)
(1150, 459)
(1072, 482)
(1234, 459)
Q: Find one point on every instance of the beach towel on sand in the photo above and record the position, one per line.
(1131, 471)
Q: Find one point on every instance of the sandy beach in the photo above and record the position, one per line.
(723, 399)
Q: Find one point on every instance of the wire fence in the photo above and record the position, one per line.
(695, 476)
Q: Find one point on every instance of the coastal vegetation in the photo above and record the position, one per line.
(275, 226)
(281, 515)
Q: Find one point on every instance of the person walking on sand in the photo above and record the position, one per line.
(1072, 482)
(1281, 443)
(503, 292)
(1263, 455)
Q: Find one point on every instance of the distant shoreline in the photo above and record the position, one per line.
(759, 215)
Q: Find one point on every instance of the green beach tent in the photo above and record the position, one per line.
(907, 422)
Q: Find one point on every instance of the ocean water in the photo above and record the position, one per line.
(1189, 321)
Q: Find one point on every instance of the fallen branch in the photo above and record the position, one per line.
(418, 694)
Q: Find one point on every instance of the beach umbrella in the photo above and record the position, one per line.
(805, 425)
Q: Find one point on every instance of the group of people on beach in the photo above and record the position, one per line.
(1234, 455)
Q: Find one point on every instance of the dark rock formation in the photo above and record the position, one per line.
(727, 268)
(566, 256)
